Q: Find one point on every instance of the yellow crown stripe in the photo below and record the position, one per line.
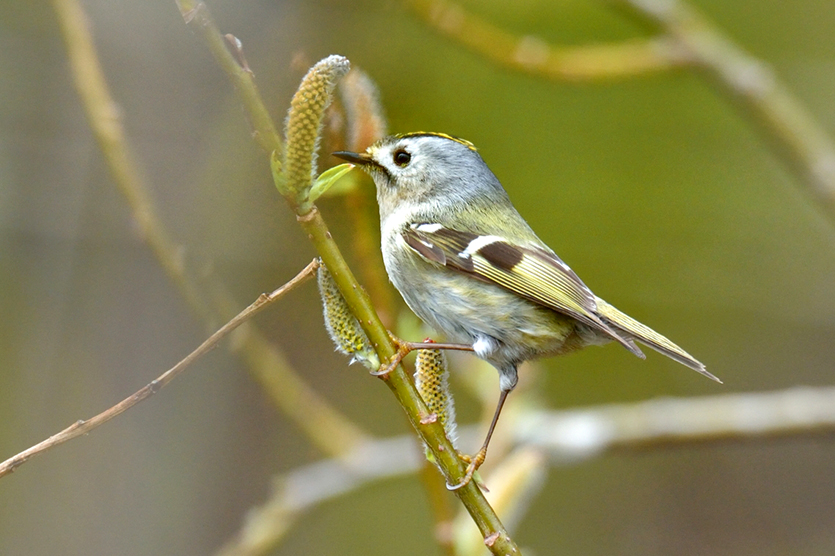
(436, 134)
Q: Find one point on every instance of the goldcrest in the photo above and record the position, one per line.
(469, 265)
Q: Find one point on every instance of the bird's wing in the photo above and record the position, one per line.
(529, 271)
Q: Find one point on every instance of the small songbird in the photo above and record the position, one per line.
(469, 265)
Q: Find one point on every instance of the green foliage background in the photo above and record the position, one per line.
(658, 191)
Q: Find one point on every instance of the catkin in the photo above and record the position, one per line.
(304, 122)
(342, 326)
(432, 382)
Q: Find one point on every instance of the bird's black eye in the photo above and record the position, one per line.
(401, 157)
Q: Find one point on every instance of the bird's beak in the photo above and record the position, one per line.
(361, 159)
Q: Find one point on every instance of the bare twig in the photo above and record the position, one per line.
(83, 427)
(566, 437)
(196, 14)
(570, 436)
(535, 56)
(785, 121)
(688, 39)
(330, 431)
(302, 489)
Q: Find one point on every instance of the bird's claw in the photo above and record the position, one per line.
(473, 464)
(403, 349)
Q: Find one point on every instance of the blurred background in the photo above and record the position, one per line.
(659, 191)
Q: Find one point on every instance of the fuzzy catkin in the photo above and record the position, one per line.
(342, 326)
(432, 382)
(304, 120)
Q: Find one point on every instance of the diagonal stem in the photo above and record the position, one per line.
(82, 427)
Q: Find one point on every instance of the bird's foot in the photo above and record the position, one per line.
(473, 464)
(404, 348)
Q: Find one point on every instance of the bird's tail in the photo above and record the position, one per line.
(632, 329)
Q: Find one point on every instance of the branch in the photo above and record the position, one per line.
(799, 139)
(293, 180)
(567, 437)
(534, 56)
(84, 427)
(197, 15)
(302, 489)
(330, 431)
(570, 436)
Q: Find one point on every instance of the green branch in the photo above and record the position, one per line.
(266, 362)
(294, 180)
(196, 14)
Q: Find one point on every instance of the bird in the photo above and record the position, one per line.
(469, 265)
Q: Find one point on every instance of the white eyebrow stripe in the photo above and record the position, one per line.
(479, 243)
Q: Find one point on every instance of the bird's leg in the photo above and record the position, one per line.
(478, 459)
(405, 348)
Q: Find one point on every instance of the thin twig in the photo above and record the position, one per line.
(571, 436)
(105, 120)
(802, 142)
(534, 56)
(83, 427)
(197, 16)
(566, 437)
(266, 362)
